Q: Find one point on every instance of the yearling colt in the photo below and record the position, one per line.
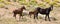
(19, 11)
(44, 12)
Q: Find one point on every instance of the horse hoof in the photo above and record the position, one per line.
(45, 20)
(49, 20)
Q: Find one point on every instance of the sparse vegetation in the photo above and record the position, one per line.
(1, 5)
(40, 17)
(23, 20)
(7, 7)
(8, 21)
(2, 1)
(7, 3)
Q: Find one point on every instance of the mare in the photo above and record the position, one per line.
(44, 12)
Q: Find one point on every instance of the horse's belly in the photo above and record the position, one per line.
(18, 12)
(42, 13)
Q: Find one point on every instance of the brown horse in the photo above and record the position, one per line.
(30, 13)
(19, 11)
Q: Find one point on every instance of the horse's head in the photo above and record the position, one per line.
(51, 7)
(24, 8)
(38, 8)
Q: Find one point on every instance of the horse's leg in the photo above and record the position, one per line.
(30, 15)
(46, 17)
(14, 16)
(37, 15)
(21, 15)
(34, 16)
(49, 17)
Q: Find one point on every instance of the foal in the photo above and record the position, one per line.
(19, 11)
(44, 12)
(30, 13)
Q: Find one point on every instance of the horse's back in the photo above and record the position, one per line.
(16, 11)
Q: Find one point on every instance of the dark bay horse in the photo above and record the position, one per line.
(19, 11)
(43, 11)
(31, 13)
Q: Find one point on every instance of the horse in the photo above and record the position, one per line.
(30, 13)
(19, 11)
(44, 12)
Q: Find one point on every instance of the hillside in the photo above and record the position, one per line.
(7, 7)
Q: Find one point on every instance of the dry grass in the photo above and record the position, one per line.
(9, 19)
(6, 16)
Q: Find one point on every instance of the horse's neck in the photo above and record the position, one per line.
(50, 8)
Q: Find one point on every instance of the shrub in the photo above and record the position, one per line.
(33, 2)
(8, 0)
(48, 1)
(1, 0)
(1, 5)
(7, 3)
(42, 5)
